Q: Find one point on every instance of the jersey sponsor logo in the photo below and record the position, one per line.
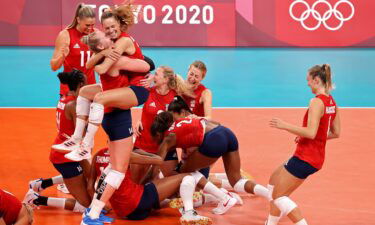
(152, 104)
(331, 110)
(76, 46)
(130, 130)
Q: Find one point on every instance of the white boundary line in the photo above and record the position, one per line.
(213, 107)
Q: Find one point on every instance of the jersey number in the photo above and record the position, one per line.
(179, 124)
(83, 62)
(58, 116)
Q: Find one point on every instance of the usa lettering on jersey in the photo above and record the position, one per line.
(331, 110)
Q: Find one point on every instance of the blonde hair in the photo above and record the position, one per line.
(201, 66)
(325, 75)
(92, 41)
(82, 11)
(124, 14)
(176, 82)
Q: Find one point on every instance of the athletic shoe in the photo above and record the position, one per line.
(62, 187)
(191, 217)
(103, 218)
(30, 196)
(225, 205)
(177, 203)
(84, 152)
(234, 195)
(36, 185)
(70, 144)
(88, 221)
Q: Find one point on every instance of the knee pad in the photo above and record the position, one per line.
(114, 178)
(240, 185)
(285, 204)
(96, 113)
(83, 106)
(197, 176)
(188, 182)
(270, 191)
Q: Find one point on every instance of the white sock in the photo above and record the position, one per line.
(272, 220)
(225, 184)
(79, 129)
(57, 180)
(215, 191)
(261, 191)
(301, 222)
(96, 208)
(187, 189)
(90, 134)
(78, 207)
(56, 202)
(208, 198)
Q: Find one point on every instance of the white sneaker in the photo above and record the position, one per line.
(84, 152)
(36, 185)
(234, 195)
(62, 187)
(191, 217)
(30, 196)
(70, 144)
(225, 205)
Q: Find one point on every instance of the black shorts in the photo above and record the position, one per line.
(299, 168)
(69, 170)
(148, 202)
(218, 141)
(118, 124)
(141, 93)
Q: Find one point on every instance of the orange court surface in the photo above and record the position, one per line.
(342, 193)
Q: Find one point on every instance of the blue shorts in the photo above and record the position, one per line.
(171, 155)
(205, 172)
(218, 141)
(148, 202)
(141, 93)
(69, 170)
(299, 168)
(118, 124)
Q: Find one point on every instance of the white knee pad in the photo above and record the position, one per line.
(114, 178)
(78, 208)
(96, 113)
(239, 187)
(187, 182)
(83, 106)
(197, 176)
(285, 204)
(270, 191)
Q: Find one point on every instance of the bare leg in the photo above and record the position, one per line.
(77, 187)
(197, 161)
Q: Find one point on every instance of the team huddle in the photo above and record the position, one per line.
(140, 169)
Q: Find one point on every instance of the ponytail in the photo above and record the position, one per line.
(82, 11)
(177, 83)
(92, 41)
(124, 14)
(325, 75)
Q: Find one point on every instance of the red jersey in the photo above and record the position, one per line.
(10, 207)
(194, 103)
(155, 104)
(79, 54)
(313, 150)
(189, 132)
(102, 161)
(65, 129)
(126, 199)
(134, 78)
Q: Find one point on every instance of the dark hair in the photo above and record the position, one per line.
(161, 123)
(324, 73)
(178, 104)
(73, 79)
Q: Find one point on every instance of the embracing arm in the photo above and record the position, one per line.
(122, 45)
(335, 129)
(206, 98)
(167, 143)
(61, 50)
(316, 110)
(25, 217)
(141, 157)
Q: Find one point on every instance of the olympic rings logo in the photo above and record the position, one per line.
(322, 19)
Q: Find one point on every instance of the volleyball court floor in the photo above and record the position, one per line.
(342, 193)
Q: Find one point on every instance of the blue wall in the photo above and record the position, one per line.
(241, 77)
